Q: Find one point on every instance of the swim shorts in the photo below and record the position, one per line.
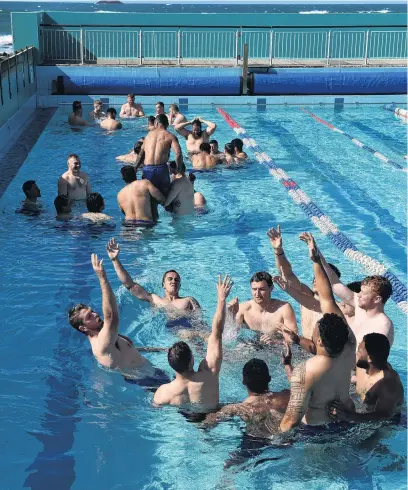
(201, 171)
(150, 383)
(159, 176)
(179, 323)
(141, 223)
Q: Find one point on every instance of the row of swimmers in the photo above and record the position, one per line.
(341, 338)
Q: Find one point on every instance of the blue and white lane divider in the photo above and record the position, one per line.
(319, 219)
(357, 142)
(396, 110)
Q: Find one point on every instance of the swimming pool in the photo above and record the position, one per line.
(68, 424)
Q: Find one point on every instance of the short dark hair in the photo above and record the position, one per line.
(73, 155)
(138, 146)
(94, 202)
(334, 269)
(354, 286)
(163, 120)
(167, 272)
(256, 376)
(379, 285)
(131, 95)
(196, 122)
(333, 332)
(27, 186)
(76, 105)
(262, 276)
(151, 119)
(213, 142)
(128, 173)
(73, 316)
(205, 147)
(179, 357)
(237, 143)
(60, 202)
(160, 104)
(378, 348)
(112, 111)
(229, 149)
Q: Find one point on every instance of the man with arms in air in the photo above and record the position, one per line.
(130, 109)
(262, 313)
(74, 183)
(196, 136)
(326, 376)
(111, 349)
(197, 389)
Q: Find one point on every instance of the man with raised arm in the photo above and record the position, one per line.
(74, 183)
(198, 390)
(307, 297)
(196, 136)
(131, 109)
(171, 284)
(111, 349)
(378, 385)
(326, 376)
(263, 313)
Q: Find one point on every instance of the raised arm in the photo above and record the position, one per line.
(211, 127)
(306, 300)
(137, 290)
(181, 128)
(339, 289)
(213, 359)
(175, 146)
(235, 312)
(62, 187)
(109, 333)
(282, 263)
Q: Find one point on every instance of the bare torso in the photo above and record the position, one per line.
(134, 201)
(76, 185)
(203, 161)
(380, 323)
(75, 120)
(157, 146)
(96, 217)
(199, 200)
(308, 321)
(128, 110)
(262, 320)
(193, 144)
(110, 124)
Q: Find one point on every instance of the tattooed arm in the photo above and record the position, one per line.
(300, 391)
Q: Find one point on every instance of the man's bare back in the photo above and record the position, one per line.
(157, 145)
(135, 200)
(203, 161)
(110, 124)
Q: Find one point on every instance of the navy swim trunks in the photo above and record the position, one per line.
(150, 383)
(159, 176)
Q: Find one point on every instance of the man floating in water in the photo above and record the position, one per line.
(131, 109)
(110, 122)
(196, 136)
(111, 349)
(74, 183)
(198, 390)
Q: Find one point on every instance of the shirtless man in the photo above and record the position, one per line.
(199, 200)
(198, 389)
(95, 205)
(262, 313)
(32, 193)
(131, 157)
(175, 116)
(378, 385)
(215, 151)
(97, 112)
(181, 194)
(111, 349)
(238, 145)
(135, 202)
(63, 208)
(171, 284)
(155, 151)
(74, 183)
(75, 118)
(110, 122)
(289, 282)
(326, 376)
(128, 173)
(159, 108)
(203, 160)
(130, 109)
(196, 136)
(262, 410)
(229, 154)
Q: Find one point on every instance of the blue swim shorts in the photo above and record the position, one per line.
(159, 176)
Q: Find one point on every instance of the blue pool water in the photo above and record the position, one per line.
(65, 423)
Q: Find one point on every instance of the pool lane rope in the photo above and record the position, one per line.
(318, 218)
(357, 142)
(396, 110)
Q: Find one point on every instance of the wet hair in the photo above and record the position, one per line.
(111, 111)
(229, 149)
(60, 202)
(151, 120)
(205, 147)
(162, 119)
(192, 177)
(175, 107)
(128, 173)
(167, 272)
(99, 102)
(196, 122)
(73, 316)
(255, 375)
(334, 333)
(262, 276)
(94, 202)
(131, 95)
(237, 143)
(179, 357)
(213, 142)
(160, 104)
(379, 285)
(138, 146)
(335, 270)
(73, 155)
(354, 286)
(27, 186)
(76, 105)
(378, 348)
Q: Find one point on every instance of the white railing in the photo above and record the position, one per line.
(212, 45)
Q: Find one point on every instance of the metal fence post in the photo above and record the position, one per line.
(366, 48)
(237, 36)
(178, 46)
(8, 75)
(16, 67)
(328, 48)
(140, 46)
(271, 47)
(81, 45)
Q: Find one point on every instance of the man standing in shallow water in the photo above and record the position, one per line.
(130, 109)
(74, 183)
